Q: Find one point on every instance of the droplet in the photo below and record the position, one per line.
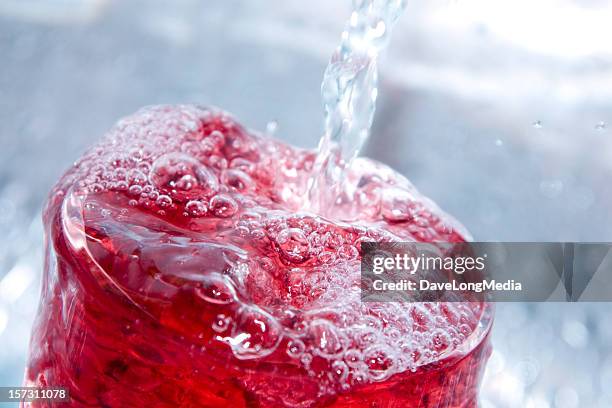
(601, 125)
(293, 245)
(537, 124)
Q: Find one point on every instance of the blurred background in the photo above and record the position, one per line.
(501, 111)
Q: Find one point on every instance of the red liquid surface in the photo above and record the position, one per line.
(181, 272)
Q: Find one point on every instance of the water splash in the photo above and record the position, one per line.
(349, 91)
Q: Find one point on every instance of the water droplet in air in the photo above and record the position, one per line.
(271, 127)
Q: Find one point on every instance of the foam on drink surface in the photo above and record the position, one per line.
(197, 222)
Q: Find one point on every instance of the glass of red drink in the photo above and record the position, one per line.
(181, 272)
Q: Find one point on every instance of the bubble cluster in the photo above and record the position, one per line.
(218, 207)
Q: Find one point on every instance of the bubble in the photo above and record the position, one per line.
(420, 318)
(348, 251)
(339, 371)
(295, 348)
(218, 162)
(177, 171)
(186, 182)
(216, 288)
(120, 174)
(326, 257)
(221, 323)
(242, 164)
(216, 139)
(326, 339)
(237, 179)
(196, 208)
(440, 341)
(223, 206)
(353, 358)
(96, 188)
(396, 205)
(137, 177)
(380, 362)
(306, 359)
(359, 377)
(163, 201)
(135, 190)
(255, 334)
(293, 245)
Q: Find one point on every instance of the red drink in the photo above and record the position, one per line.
(180, 272)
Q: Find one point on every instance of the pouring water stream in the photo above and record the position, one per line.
(349, 91)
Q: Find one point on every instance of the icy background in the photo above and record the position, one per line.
(500, 111)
